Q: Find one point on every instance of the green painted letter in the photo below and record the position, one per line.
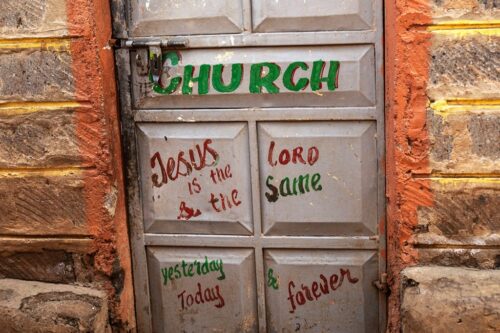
(202, 79)
(288, 77)
(257, 81)
(236, 76)
(174, 82)
(317, 75)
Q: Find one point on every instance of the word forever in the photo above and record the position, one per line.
(199, 268)
(317, 289)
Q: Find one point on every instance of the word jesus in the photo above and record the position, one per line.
(296, 77)
(208, 295)
(185, 269)
(317, 289)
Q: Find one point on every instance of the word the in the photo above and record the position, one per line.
(173, 167)
(220, 175)
(208, 295)
(296, 156)
(262, 76)
(317, 289)
(272, 281)
(226, 202)
(298, 185)
(194, 268)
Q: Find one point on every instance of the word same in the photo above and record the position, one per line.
(297, 185)
(317, 289)
(199, 297)
(200, 268)
(262, 76)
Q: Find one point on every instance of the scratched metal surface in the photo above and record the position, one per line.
(341, 240)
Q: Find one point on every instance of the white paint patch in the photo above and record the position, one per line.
(228, 55)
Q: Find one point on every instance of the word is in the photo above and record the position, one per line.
(298, 185)
(261, 76)
(296, 156)
(185, 269)
(272, 281)
(180, 165)
(208, 295)
(317, 289)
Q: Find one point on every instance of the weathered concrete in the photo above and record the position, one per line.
(464, 212)
(32, 18)
(465, 66)
(35, 307)
(464, 142)
(38, 205)
(36, 75)
(445, 10)
(446, 299)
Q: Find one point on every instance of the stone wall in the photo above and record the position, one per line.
(61, 188)
(443, 162)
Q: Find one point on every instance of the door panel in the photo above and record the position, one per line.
(200, 289)
(196, 174)
(186, 17)
(321, 291)
(255, 149)
(311, 15)
(326, 171)
(295, 83)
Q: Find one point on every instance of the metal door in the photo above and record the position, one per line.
(253, 135)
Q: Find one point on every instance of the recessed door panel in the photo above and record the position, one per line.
(203, 290)
(320, 291)
(318, 178)
(262, 77)
(186, 17)
(196, 178)
(311, 15)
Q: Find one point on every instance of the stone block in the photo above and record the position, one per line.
(446, 10)
(46, 266)
(471, 258)
(464, 66)
(450, 299)
(39, 139)
(42, 205)
(29, 307)
(465, 211)
(36, 75)
(32, 18)
(464, 142)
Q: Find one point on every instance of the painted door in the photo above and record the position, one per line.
(253, 133)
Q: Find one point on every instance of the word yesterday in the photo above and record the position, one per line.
(261, 76)
(200, 268)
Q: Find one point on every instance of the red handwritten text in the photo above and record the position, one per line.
(199, 297)
(317, 289)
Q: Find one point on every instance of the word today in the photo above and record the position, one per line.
(200, 268)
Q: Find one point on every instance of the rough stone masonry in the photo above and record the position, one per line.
(62, 219)
(443, 164)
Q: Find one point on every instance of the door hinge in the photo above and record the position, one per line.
(149, 56)
(381, 284)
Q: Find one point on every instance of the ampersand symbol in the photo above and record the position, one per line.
(271, 280)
